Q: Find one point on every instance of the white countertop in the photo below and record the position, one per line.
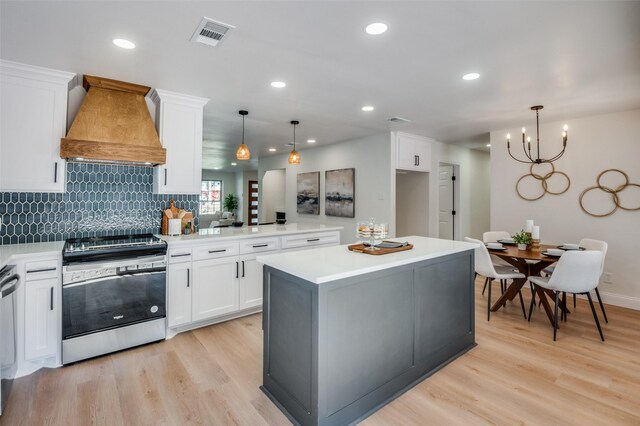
(326, 264)
(13, 252)
(221, 234)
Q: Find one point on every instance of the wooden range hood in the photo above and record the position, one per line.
(113, 125)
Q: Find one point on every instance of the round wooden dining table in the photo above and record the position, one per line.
(519, 258)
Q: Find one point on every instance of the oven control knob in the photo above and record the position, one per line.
(154, 309)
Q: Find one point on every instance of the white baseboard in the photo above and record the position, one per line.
(621, 300)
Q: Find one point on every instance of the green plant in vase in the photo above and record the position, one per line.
(522, 239)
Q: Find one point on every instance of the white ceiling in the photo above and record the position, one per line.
(576, 58)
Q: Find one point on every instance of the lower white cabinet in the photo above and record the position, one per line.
(216, 280)
(41, 319)
(250, 282)
(179, 283)
(215, 288)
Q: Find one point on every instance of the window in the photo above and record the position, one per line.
(211, 196)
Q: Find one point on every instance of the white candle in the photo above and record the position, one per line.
(529, 225)
(535, 234)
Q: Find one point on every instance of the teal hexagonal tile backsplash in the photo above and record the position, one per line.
(100, 200)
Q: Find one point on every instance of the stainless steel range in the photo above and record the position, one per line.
(113, 294)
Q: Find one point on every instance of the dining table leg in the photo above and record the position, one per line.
(510, 294)
(545, 304)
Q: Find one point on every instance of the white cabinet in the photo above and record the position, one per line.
(179, 125)
(41, 319)
(215, 287)
(179, 284)
(413, 152)
(41, 308)
(250, 282)
(33, 119)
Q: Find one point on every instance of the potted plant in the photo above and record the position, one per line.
(230, 204)
(522, 239)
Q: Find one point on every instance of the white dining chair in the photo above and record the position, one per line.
(494, 237)
(596, 245)
(576, 272)
(485, 267)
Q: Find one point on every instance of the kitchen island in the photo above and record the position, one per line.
(345, 333)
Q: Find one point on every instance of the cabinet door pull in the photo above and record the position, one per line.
(51, 299)
(35, 271)
(415, 160)
(311, 240)
(165, 176)
(55, 172)
(260, 245)
(181, 255)
(217, 251)
(418, 160)
(243, 269)
(188, 277)
(237, 269)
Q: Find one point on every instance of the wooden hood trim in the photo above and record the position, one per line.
(113, 124)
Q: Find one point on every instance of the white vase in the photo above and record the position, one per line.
(522, 246)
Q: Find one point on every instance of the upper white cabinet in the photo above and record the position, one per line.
(413, 152)
(33, 119)
(179, 125)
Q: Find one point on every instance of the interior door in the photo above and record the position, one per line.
(445, 202)
(253, 202)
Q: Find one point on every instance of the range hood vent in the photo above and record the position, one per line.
(210, 32)
(113, 125)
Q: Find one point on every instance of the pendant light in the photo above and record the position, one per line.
(294, 157)
(243, 150)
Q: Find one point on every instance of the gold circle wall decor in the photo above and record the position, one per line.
(543, 182)
(613, 191)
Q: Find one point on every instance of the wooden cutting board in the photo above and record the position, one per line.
(361, 248)
(172, 213)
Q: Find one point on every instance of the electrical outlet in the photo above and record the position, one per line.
(607, 278)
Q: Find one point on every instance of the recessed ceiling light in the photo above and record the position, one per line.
(311, 141)
(272, 150)
(278, 84)
(376, 28)
(368, 108)
(488, 145)
(234, 164)
(471, 76)
(125, 44)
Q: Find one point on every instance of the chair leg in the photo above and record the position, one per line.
(533, 301)
(555, 317)
(501, 286)
(489, 299)
(524, 312)
(595, 317)
(533, 292)
(574, 300)
(601, 305)
(485, 285)
(564, 304)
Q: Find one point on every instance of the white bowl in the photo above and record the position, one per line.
(494, 245)
(555, 252)
(570, 246)
(508, 240)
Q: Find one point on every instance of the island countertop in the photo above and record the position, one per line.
(232, 233)
(326, 264)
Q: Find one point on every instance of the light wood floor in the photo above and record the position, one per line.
(516, 375)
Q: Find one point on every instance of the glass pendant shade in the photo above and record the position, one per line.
(243, 150)
(294, 157)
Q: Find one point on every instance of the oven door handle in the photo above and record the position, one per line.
(109, 278)
(114, 264)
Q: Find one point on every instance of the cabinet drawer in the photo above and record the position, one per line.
(310, 240)
(180, 255)
(215, 251)
(41, 270)
(259, 245)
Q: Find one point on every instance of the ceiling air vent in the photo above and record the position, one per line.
(210, 32)
(398, 120)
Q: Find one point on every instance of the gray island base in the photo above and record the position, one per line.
(337, 351)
